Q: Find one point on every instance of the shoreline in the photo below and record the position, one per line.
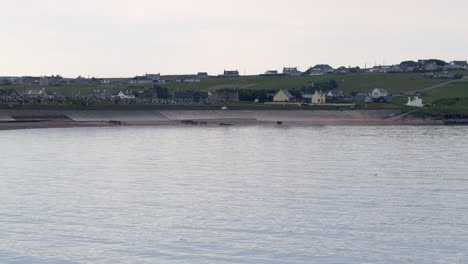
(215, 123)
(12, 119)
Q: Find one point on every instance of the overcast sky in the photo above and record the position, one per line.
(124, 38)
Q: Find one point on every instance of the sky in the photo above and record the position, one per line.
(122, 38)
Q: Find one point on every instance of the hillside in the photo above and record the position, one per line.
(453, 90)
(394, 83)
(351, 83)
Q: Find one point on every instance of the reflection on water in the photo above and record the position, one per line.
(234, 195)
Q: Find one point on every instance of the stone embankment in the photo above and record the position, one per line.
(36, 118)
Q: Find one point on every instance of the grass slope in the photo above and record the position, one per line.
(394, 83)
(453, 90)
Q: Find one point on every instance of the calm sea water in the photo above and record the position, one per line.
(234, 195)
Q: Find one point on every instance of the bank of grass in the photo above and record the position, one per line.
(351, 83)
(453, 90)
(444, 112)
(447, 108)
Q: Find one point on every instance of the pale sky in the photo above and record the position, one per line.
(119, 38)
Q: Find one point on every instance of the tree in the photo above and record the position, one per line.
(440, 63)
(409, 64)
(161, 92)
(146, 94)
(326, 85)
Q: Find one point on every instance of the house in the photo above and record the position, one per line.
(319, 97)
(462, 64)
(375, 95)
(125, 95)
(456, 65)
(153, 76)
(231, 73)
(445, 75)
(28, 80)
(104, 81)
(307, 98)
(417, 102)
(283, 96)
(202, 75)
(363, 97)
(320, 69)
(51, 80)
(101, 95)
(431, 67)
(381, 69)
(380, 95)
(187, 79)
(342, 70)
(81, 80)
(9, 94)
(334, 96)
(146, 79)
(49, 95)
(140, 80)
(291, 71)
(379, 92)
(37, 93)
(409, 66)
(271, 72)
(396, 69)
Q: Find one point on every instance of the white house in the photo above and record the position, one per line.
(126, 95)
(291, 71)
(319, 97)
(321, 69)
(231, 73)
(35, 93)
(283, 96)
(379, 92)
(271, 72)
(418, 102)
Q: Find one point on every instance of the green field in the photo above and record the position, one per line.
(453, 90)
(351, 83)
(394, 83)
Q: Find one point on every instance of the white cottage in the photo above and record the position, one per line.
(283, 96)
(319, 97)
(379, 92)
(126, 95)
(418, 102)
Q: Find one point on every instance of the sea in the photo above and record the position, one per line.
(240, 194)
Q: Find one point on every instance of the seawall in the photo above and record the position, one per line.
(29, 118)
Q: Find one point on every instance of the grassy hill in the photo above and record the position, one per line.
(453, 90)
(394, 83)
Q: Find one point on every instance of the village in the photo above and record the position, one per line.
(151, 88)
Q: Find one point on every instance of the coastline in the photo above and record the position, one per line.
(12, 119)
(46, 125)
(218, 123)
